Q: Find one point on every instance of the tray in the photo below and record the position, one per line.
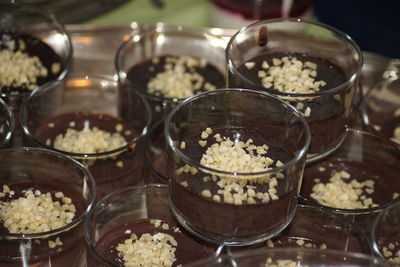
(95, 48)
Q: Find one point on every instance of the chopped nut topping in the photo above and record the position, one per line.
(396, 135)
(291, 75)
(19, 69)
(88, 141)
(282, 263)
(36, 212)
(338, 193)
(392, 252)
(179, 78)
(148, 250)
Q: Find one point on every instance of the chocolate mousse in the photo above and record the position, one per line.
(96, 135)
(37, 208)
(151, 243)
(174, 78)
(208, 199)
(298, 73)
(27, 63)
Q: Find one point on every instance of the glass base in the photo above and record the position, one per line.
(230, 240)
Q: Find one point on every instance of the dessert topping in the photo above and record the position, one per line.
(236, 157)
(36, 212)
(341, 192)
(390, 253)
(88, 140)
(396, 135)
(290, 75)
(19, 69)
(179, 78)
(282, 263)
(148, 250)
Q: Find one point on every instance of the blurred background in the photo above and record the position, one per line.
(374, 25)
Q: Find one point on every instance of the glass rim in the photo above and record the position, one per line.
(353, 78)
(156, 28)
(88, 240)
(349, 131)
(91, 202)
(301, 152)
(260, 252)
(132, 143)
(59, 26)
(374, 241)
(9, 117)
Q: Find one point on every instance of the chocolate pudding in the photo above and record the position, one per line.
(150, 239)
(65, 248)
(30, 63)
(172, 77)
(230, 205)
(103, 133)
(296, 73)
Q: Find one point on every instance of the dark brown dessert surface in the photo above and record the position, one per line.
(110, 172)
(33, 47)
(385, 187)
(65, 254)
(227, 218)
(188, 249)
(142, 73)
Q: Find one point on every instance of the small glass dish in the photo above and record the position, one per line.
(143, 211)
(296, 257)
(385, 234)
(313, 66)
(145, 63)
(357, 180)
(235, 157)
(40, 190)
(80, 118)
(32, 32)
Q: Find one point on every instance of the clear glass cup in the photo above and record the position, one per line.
(314, 227)
(47, 171)
(155, 156)
(381, 105)
(82, 104)
(41, 24)
(298, 257)
(7, 125)
(137, 208)
(362, 156)
(242, 115)
(165, 40)
(338, 62)
(385, 234)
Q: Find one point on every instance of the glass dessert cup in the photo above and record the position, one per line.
(79, 118)
(385, 234)
(7, 125)
(313, 227)
(140, 62)
(299, 257)
(358, 180)
(45, 173)
(43, 36)
(140, 210)
(381, 106)
(155, 156)
(313, 66)
(230, 202)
